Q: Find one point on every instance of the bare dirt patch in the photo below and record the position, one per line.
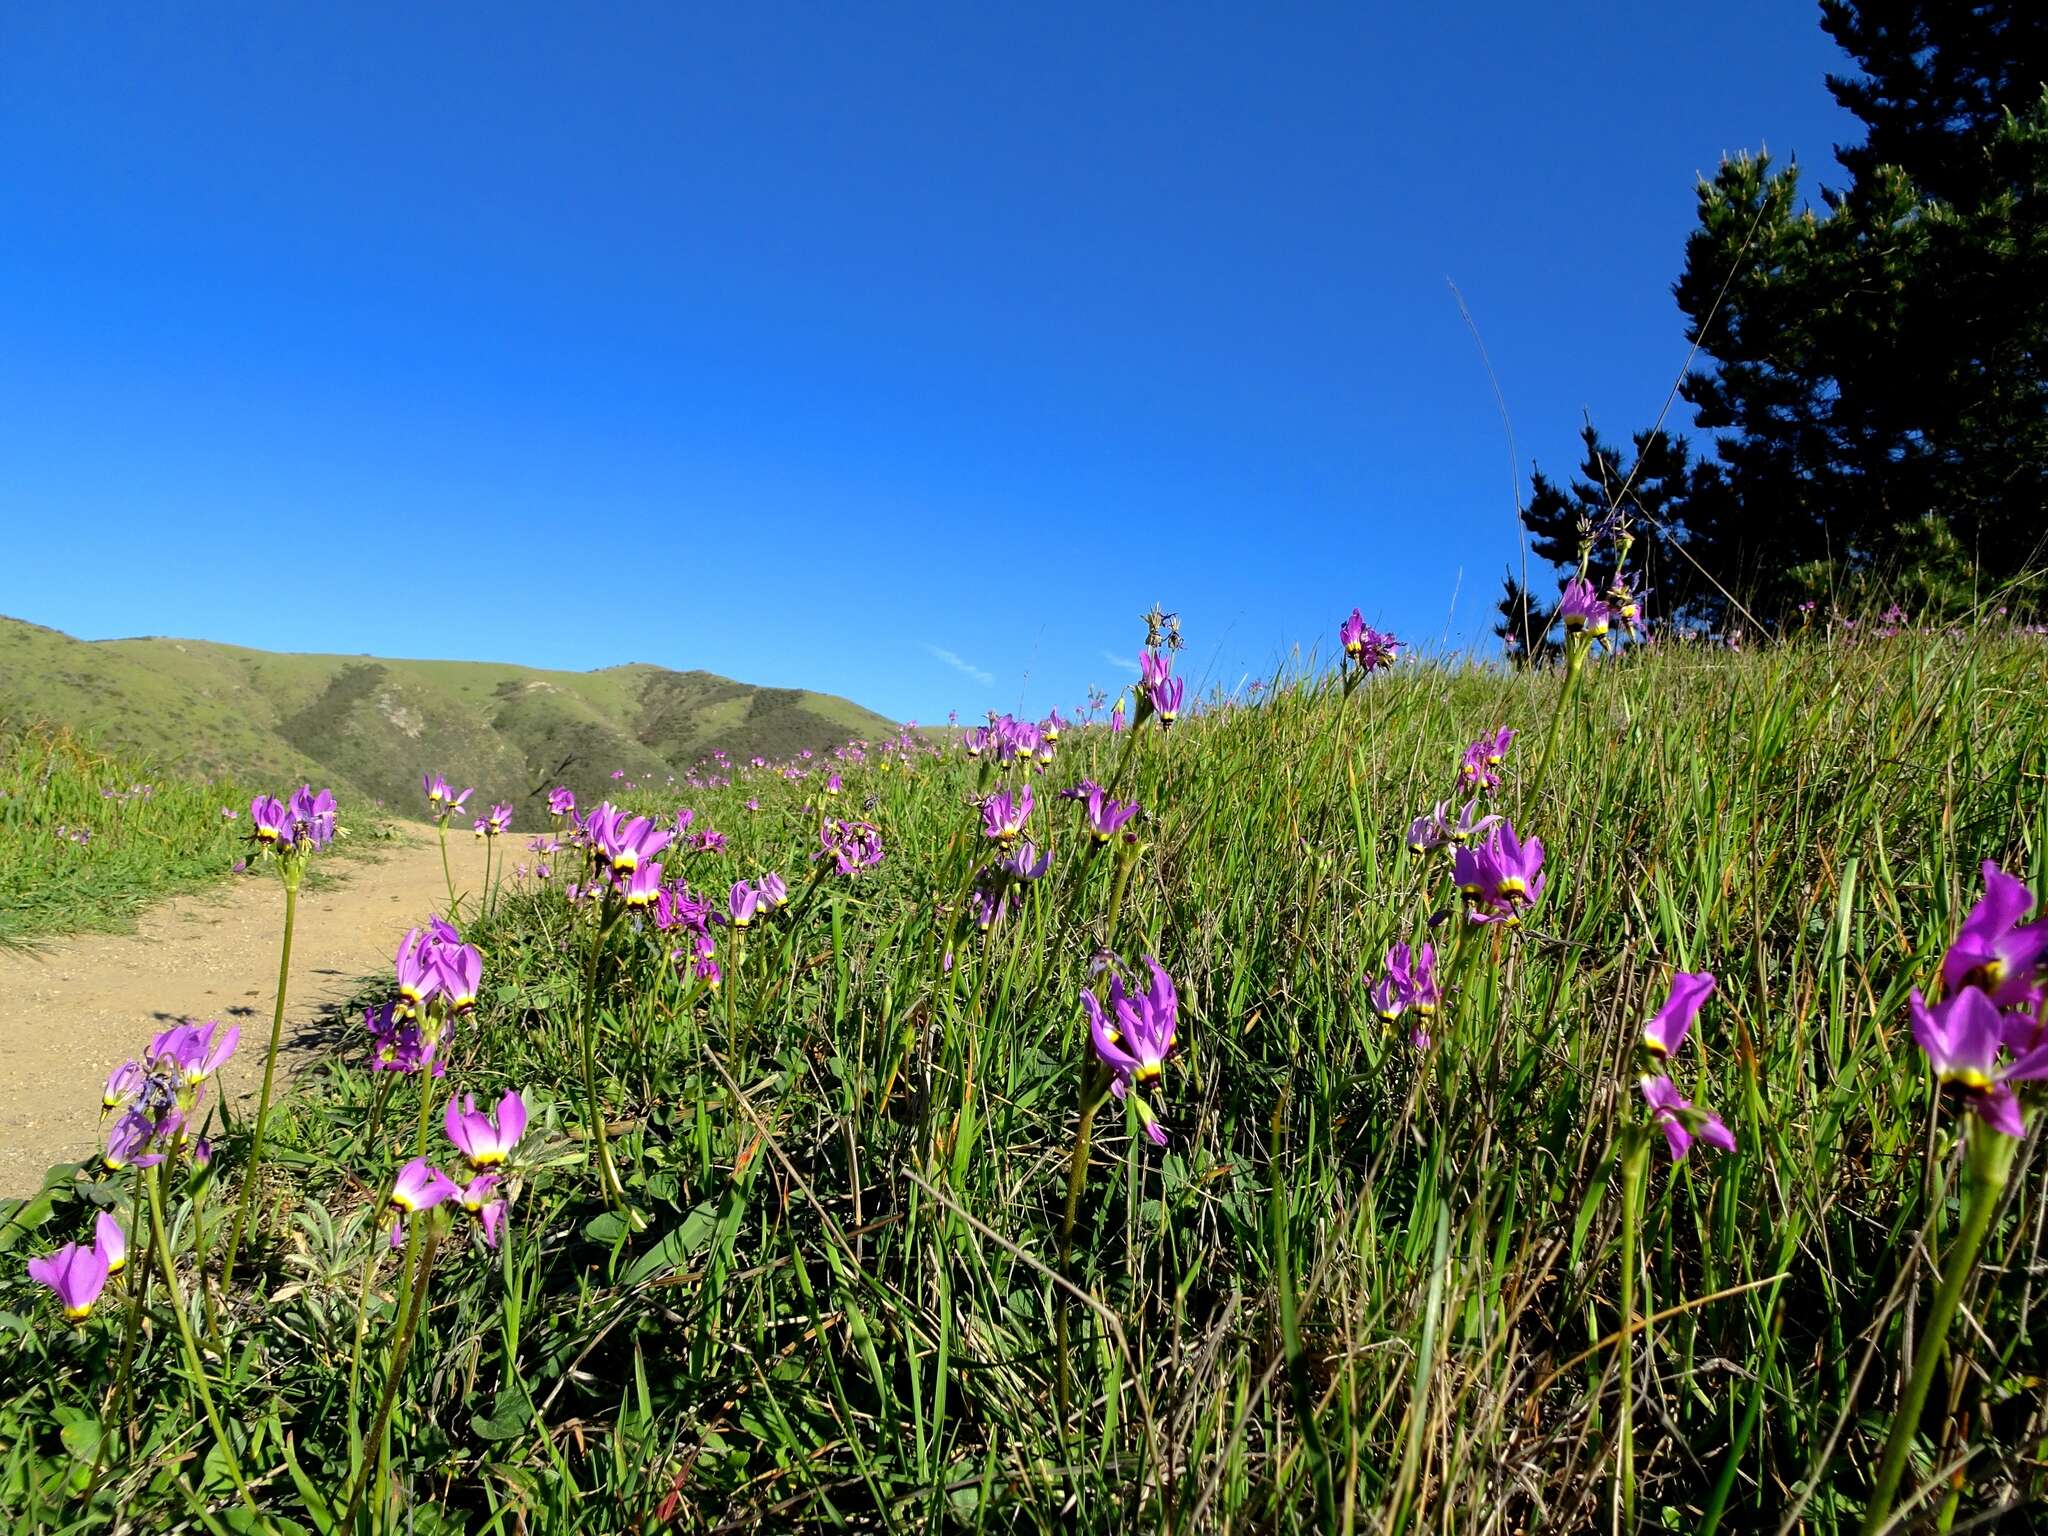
(73, 1009)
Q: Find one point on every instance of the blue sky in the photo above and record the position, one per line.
(902, 352)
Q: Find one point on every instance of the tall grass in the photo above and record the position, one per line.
(1365, 1286)
(89, 837)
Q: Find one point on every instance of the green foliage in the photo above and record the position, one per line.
(1652, 485)
(1876, 367)
(1363, 1283)
(369, 726)
(88, 837)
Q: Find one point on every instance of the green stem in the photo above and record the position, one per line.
(291, 871)
(1077, 1176)
(355, 1354)
(1990, 1161)
(160, 1243)
(608, 1178)
(412, 1303)
(447, 874)
(1634, 1157)
(426, 1121)
(1575, 663)
(1123, 761)
(119, 1398)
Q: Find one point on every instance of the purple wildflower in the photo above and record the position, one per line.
(1580, 608)
(1166, 697)
(1996, 949)
(1003, 814)
(851, 845)
(744, 902)
(1106, 817)
(77, 1273)
(1431, 830)
(1479, 768)
(1134, 1038)
(270, 821)
(195, 1051)
(1502, 877)
(418, 975)
(481, 1199)
(1364, 646)
(1666, 1030)
(110, 1241)
(486, 1139)
(1682, 1121)
(418, 1187)
(1963, 1036)
(312, 816)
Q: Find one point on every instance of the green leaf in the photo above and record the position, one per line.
(605, 1227)
(315, 1502)
(80, 1432)
(688, 1238)
(1595, 1192)
(510, 1414)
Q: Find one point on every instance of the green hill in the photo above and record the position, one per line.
(371, 725)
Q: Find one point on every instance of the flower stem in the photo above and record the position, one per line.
(1077, 1176)
(160, 1243)
(119, 1396)
(608, 1178)
(1575, 662)
(412, 1302)
(291, 870)
(441, 827)
(1123, 761)
(1635, 1155)
(1990, 1161)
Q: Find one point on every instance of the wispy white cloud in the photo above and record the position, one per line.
(959, 664)
(1121, 663)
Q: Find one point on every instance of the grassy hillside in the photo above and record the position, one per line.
(800, 1250)
(370, 725)
(87, 837)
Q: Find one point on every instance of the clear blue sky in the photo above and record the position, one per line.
(817, 345)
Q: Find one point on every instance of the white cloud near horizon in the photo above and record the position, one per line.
(959, 664)
(1122, 663)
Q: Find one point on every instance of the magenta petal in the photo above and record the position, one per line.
(1678, 1138)
(1997, 1107)
(1715, 1134)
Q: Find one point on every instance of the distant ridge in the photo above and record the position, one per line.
(371, 725)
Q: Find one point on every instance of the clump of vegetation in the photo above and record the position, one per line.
(88, 837)
(1422, 1096)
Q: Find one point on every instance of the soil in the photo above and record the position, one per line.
(73, 1009)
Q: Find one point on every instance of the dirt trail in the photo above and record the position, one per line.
(74, 1009)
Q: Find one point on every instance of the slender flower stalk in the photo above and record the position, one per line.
(1988, 1166)
(600, 1147)
(291, 872)
(1995, 971)
(412, 1303)
(195, 1368)
(1634, 1160)
(306, 823)
(1130, 1045)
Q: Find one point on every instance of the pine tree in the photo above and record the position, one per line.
(1648, 492)
(1876, 363)
(1935, 85)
